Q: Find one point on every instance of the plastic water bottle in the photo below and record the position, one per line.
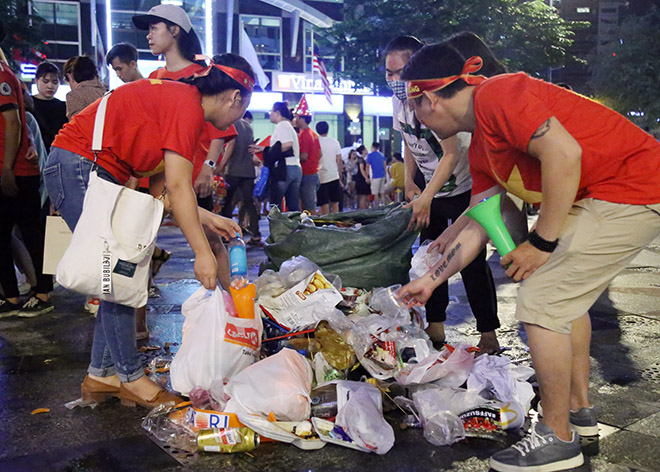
(237, 262)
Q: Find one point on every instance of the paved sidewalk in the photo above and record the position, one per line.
(43, 361)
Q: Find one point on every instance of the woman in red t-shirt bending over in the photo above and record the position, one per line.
(147, 122)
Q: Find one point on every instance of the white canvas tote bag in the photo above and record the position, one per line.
(114, 239)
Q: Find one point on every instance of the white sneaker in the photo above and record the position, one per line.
(92, 305)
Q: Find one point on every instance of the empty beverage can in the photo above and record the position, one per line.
(227, 440)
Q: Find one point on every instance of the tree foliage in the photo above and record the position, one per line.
(24, 35)
(625, 73)
(525, 35)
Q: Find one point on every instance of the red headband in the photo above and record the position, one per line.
(236, 74)
(417, 87)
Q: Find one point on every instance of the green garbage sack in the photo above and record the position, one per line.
(377, 254)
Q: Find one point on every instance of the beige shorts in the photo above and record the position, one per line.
(597, 241)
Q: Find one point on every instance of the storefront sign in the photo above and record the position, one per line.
(289, 82)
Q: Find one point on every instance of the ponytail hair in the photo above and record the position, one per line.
(283, 109)
(218, 81)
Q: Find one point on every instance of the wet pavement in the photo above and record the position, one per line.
(43, 361)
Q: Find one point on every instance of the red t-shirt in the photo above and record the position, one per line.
(143, 119)
(620, 162)
(11, 97)
(211, 131)
(309, 143)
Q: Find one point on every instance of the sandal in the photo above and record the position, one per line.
(157, 261)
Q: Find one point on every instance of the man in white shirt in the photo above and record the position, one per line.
(330, 167)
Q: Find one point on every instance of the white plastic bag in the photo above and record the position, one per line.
(497, 376)
(280, 384)
(423, 260)
(360, 414)
(215, 346)
(446, 368)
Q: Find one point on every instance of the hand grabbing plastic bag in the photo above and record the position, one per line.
(215, 345)
(423, 260)
(279, 384)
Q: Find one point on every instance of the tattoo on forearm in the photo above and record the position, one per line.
(544, 128)
(450, 255)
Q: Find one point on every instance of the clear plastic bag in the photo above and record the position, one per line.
(447, 368)
(177, 434)
(296, 269)
(423, 260)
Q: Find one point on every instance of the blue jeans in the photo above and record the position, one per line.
(114, 348)
(309, 185)
(289, 189)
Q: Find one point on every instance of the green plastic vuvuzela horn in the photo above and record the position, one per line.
(487, 214)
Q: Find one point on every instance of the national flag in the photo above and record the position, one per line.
(250, 55)
(319, 66)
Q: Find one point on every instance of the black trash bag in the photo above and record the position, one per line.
(375, 255)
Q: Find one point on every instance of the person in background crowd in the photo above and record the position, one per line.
(238, 168)
(284, 133)
(310, 153)
(446, 194)
(48, 110)
(248, 117)
(597, 178)
(331, 167)
(166, 119)
(361, 178)
(351, 168)
(86, 88)
(398, 174)
(123, 59)
(378, 174)
(20, 202)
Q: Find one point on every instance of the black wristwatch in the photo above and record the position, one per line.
(542, 244)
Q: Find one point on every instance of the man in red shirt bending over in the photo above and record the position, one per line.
(597, 178)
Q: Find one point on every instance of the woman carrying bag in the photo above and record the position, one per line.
(146, 122)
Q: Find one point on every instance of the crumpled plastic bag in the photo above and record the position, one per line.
(449, 367)
(496, 376)
(280, 384)
(383, 300)
(360, 414)
(423, 260)
(438, 408)
(296, 269)
(177, 434)
(336, 351)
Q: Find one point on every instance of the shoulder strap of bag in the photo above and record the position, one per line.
(99, 123)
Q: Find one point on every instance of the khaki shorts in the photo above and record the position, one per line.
(597, 241)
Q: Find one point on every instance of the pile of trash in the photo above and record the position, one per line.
(319, 363)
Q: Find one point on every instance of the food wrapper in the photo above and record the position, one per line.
(294, 308)
(336, 351)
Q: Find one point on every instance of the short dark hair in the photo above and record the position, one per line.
(398, 157)
(376, 145)
(306, 118)
(361, 148)
(217, 81)
(81, 68)
(470, 44)
(433, 62)
(47, 68)
(403, 43)
(124, 52)
(322, 127)
(247, 116)
(283, 109)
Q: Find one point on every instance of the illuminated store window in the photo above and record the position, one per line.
(323, 49)
(61, 29)
(265, 32)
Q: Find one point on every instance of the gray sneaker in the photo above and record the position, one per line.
(584, 421)
(540, 451)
